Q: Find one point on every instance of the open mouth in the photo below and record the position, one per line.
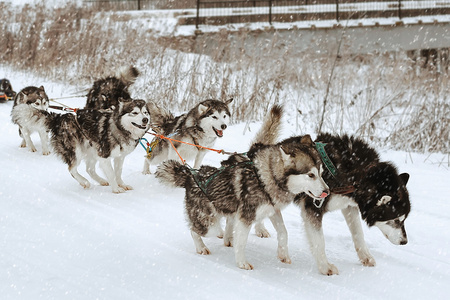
(139, 126)
(323, 195)
(218, 132)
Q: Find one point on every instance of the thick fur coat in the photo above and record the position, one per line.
(99, 135)
(202, 125)
(107, 92)
(29, 112)
(377, 193)
(248, 189)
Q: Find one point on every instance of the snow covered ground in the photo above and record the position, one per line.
(59, 241)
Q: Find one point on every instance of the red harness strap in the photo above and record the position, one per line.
(343, 190)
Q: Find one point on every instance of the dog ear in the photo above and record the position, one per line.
(42, 88)
(306, 140)
(285, 155)
(227, 102)
(202, 109)
(385, 199)
(404, 177)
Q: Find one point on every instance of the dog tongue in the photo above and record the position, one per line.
(323, 195)
(219, 132)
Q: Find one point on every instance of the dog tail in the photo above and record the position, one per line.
(128, 75)
(270, 129)
(159, 117)
(172, 173)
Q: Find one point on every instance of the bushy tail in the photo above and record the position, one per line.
(270, 129)
(159, 117)
(128, 75)
(172, 173)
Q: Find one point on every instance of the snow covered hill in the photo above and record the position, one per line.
(59, 241)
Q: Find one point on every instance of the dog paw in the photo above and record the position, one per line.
(118, 190)
(146, 172)
(283, 255)
(228, 242)
(85, 185)
(33, 149)
(126, 187)
(46, 152)
(220, 233)
(285, 259)
(245, 266)
(368, 262)
(262, 232)
(104, 183)
(329, 269)
(203, 251)
(365, 257)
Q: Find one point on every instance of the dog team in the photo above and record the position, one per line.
(331, 173)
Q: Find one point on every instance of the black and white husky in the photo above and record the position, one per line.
(247, 189)
(99, 135)
(29, 112)
(107, 92)
(375, 190)
(202, 125)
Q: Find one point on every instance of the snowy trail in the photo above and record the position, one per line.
(59, 241)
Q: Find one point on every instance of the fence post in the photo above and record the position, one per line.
(270, 12)
(198, 13)
(400, 9)
(337, 10)
(139, 4)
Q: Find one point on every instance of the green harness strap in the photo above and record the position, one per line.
(203, 185)
(325, 159)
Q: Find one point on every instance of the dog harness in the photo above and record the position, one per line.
(152, 145)
(325, 159)
(203, 184)
(333, 171)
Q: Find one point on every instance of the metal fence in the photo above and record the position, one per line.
(216, 12)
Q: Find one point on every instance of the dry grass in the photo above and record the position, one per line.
(379, 97)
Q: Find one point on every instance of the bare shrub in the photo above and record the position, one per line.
(379, 97)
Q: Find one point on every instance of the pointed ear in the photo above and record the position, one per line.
(306, 140)
(284, 155)
(202, 109)
(385, 199)
(404, 177)
(227, 102)
(42, 88)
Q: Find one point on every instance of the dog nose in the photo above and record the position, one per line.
(404, 242)
(224, 126)
(145, 120)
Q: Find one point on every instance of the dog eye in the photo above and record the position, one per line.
(214, 117)
(224, 116)
(311, 175)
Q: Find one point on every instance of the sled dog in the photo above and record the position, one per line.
(106, 92)
(375, 191)
(202, 125)
(29, 112)
(99, 135)
(249, 188)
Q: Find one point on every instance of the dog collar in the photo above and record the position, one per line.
(325, 159)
